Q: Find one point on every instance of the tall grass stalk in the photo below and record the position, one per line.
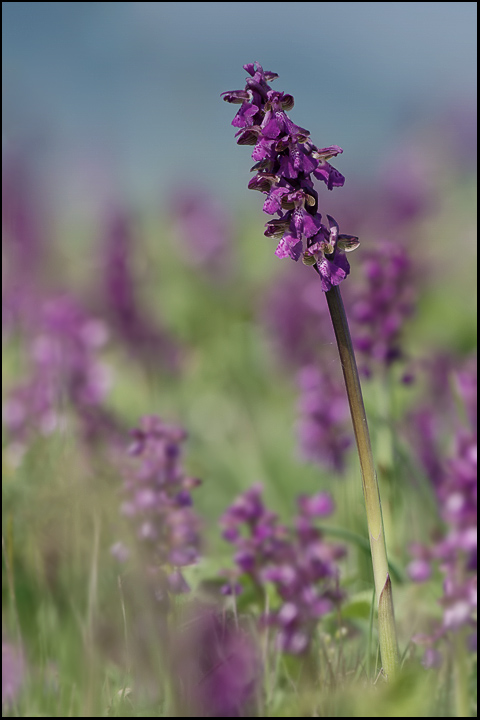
(383, 587)
(461, 676)
(7, 549)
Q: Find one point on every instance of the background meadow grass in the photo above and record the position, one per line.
(87, 627)
(118, 105)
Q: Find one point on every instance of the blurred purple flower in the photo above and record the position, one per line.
(65, 372)
(297, 561)
(424, 432)
(323, 427)
(202, 230)
(404, 190)
(295, 313)
(142, 337)
(460, 135)
(431, 659)
(13, 673)
(216, 667)
(429, 423)
(23, 224)
(454, 550)
(23, 240)
(420, 569)
(382, 304)
(466, 386)
(287, 163)
(159, 504)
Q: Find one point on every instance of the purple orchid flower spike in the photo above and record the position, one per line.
(287, 163)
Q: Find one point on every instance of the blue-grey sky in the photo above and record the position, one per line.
(134, 87)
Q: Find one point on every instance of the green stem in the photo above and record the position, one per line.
(383, 588)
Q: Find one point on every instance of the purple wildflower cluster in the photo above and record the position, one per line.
(455, 549)
(323, 427)
(287, 162)
(381, 304)
(159, 503)
(299, 563)
(65, 373)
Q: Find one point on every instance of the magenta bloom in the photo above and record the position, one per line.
(286, 165)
